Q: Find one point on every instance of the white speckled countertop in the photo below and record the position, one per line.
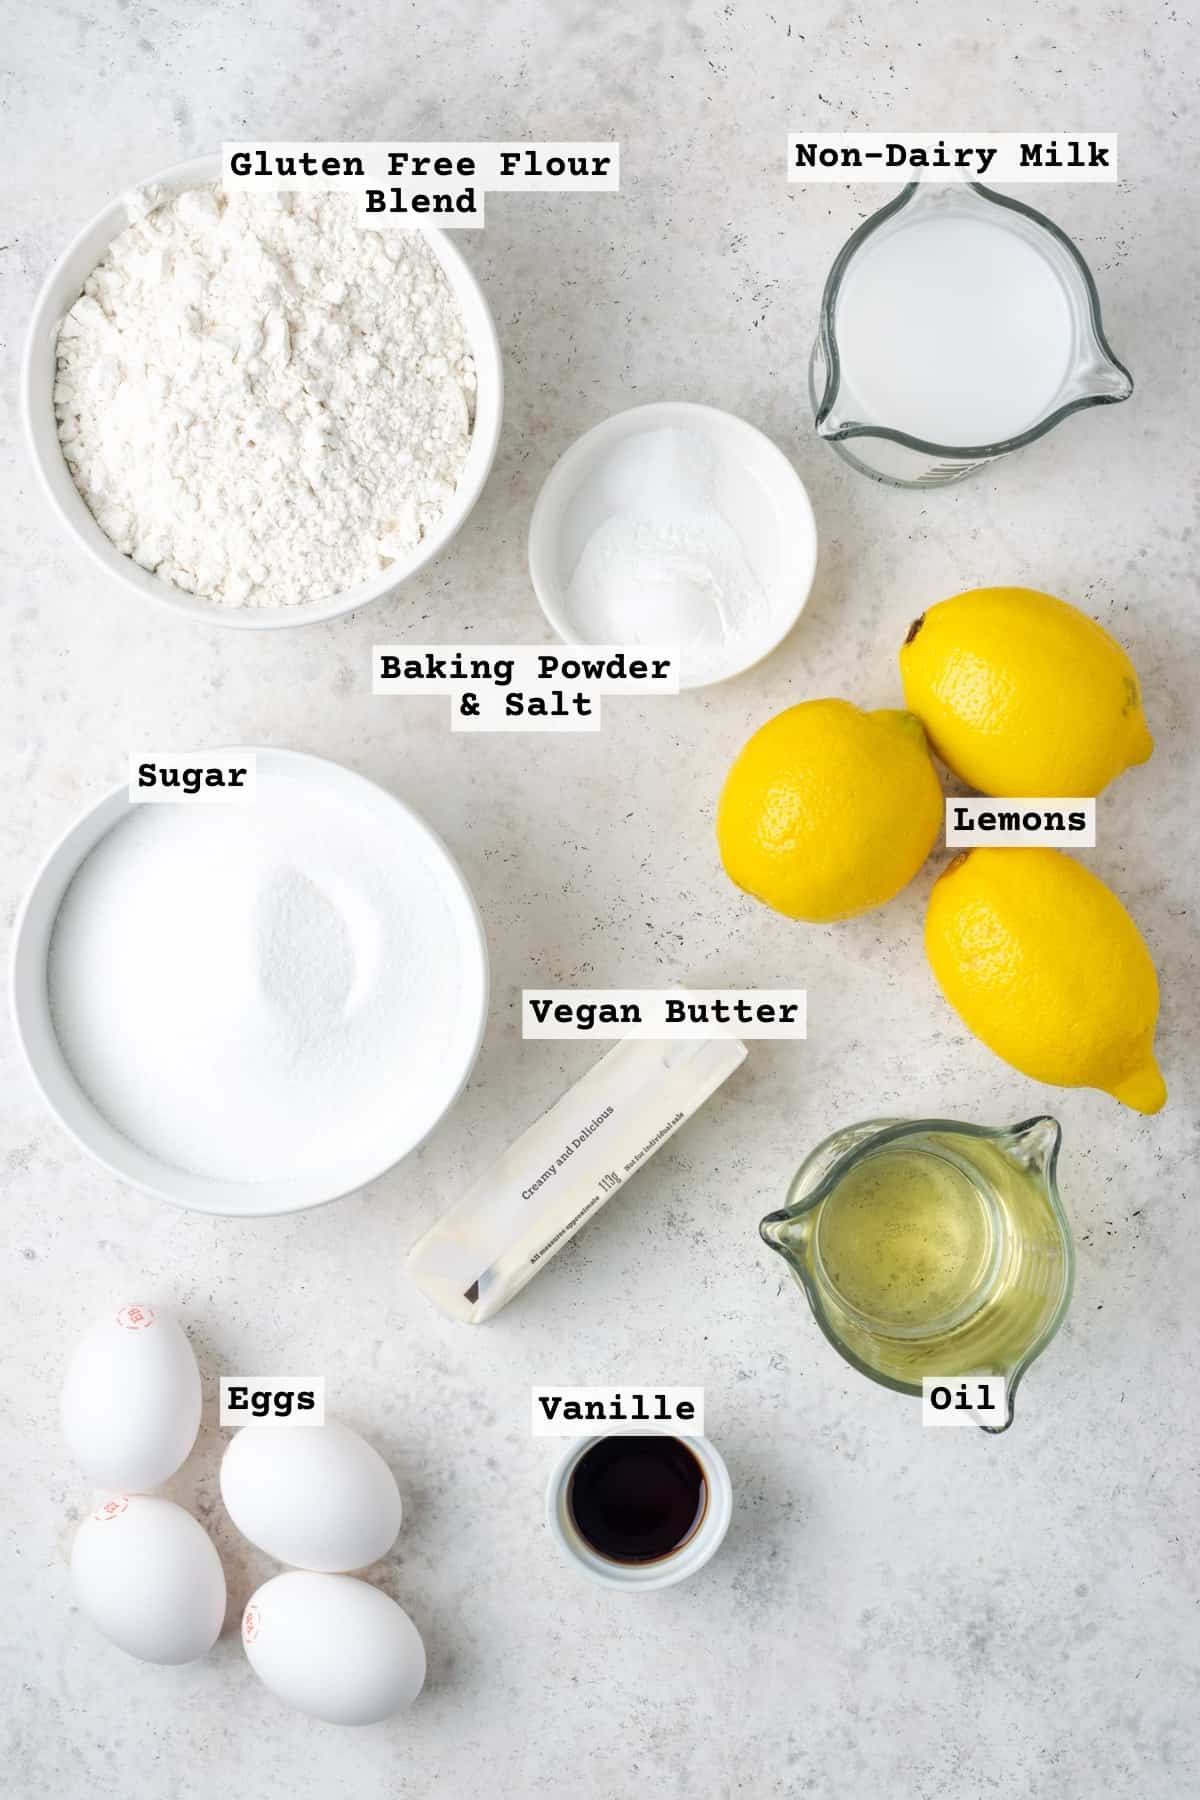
(926, 1615)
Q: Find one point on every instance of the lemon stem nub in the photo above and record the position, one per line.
(1144, 1090)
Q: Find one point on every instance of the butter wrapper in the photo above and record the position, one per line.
(558, 1175)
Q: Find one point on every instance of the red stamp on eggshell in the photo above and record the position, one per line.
(250, 1624)
(135, 1318)
(112, 1509)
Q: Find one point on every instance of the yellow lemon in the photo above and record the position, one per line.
(1042, 962)
(828, 810)
(1022, 694)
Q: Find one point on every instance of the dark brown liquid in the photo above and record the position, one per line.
(637, 1499)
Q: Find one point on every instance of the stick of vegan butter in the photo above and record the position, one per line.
(563, 1169)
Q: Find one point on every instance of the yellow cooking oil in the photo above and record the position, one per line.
(939, 1254)
(909, 1242)
(930, 1249)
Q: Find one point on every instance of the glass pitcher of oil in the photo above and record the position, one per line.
(931, 1249)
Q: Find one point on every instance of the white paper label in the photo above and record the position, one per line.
(899, 156)
(408, 186)
(971, 824)
(663, 1013)
(964, 1400)
(616, 1412)
(524, 687)
(272, 1400)
(204, 777)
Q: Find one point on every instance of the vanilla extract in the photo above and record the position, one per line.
(639, 1499)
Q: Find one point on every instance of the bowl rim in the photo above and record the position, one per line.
(36, 395)
(563, 479)
(199, 1193)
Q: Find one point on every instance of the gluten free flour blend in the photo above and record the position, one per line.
(240, 989)
(260, 399)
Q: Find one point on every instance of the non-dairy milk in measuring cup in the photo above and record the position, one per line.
(956, 325)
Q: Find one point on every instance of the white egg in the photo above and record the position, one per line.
(131, 1400)
(316, 1496)
(148, 1576)
(333, 1647)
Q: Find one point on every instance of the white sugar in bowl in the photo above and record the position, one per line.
(367, 1130)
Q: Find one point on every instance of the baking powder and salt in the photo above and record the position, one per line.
(664, 565)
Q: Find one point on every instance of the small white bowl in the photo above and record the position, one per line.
(769, 509)
(354, 1164)
(63, 287)
(700, 1548)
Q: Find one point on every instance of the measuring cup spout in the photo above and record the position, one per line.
(1103, 378)
(1033, 1145)
(787, 1233)
(831, 423)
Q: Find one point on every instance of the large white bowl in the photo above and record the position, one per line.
(352, 1164)
(62, 288)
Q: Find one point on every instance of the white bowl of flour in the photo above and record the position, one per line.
(251, 1009)
(272, 416)
(677, 526)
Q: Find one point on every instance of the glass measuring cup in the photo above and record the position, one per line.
(928, 1248)
(887, 345)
